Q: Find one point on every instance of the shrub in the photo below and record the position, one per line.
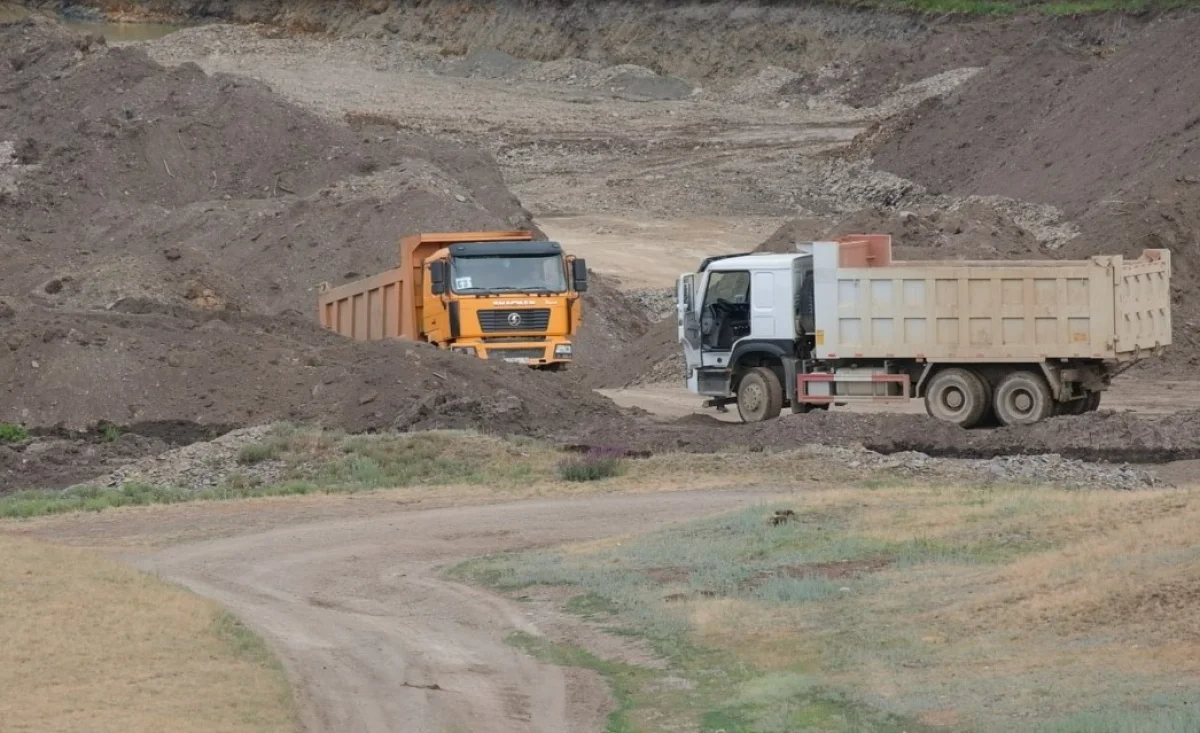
(255, 453)
(12, 433)
(595, 465)
(110, 432)
(788, 591)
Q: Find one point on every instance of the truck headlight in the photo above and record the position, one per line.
(563, 351)
(468, 350)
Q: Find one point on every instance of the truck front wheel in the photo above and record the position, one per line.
(1023, 398)
(957, 396)
(759, 395)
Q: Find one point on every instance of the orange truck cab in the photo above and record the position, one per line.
(496, 295)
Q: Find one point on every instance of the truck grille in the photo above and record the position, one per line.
(517, 353)
(529, 319)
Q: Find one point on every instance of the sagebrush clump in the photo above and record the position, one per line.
(595, 465)
(12, 433)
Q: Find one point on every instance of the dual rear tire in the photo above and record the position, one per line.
(958, 396)
(962, 397)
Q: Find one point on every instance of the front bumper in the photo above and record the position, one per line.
(531, 353)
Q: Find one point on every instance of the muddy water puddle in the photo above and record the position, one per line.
(112, 32)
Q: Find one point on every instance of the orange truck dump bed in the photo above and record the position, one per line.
(496, 295)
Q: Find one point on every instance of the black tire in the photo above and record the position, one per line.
(1023, 398)
(1093, 401)
(957, 396)
(759, 395)
(1074, 407)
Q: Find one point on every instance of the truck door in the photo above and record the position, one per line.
(724, 315)
(688, 320)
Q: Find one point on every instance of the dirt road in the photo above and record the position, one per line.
(378, 641)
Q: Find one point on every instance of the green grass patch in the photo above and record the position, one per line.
(251, 647)
(244, 642)
(770, 624)
(36, 503)
(624, 680)
(315, 461)
(10, 433)
(732, 556)
(256, 453)
(785, 590)
(591, 606)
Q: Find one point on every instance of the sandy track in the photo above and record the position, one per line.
(378, 641)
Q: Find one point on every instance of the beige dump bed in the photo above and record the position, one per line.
(1107, 308)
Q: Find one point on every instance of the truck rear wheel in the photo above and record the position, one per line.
(957, 396)
(1093, 401)
(759, 395)
(1023, 398)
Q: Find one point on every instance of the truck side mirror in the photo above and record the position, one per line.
(438, 276)
(579, 275)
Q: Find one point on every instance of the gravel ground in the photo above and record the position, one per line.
(1047, 469)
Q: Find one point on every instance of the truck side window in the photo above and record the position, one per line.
(726, 309)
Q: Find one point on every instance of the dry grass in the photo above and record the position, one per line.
(969, 609)
(88, 645)
(1053, 602)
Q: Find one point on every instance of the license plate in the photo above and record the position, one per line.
(517, 361)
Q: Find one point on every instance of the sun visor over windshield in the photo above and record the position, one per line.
(506, 249)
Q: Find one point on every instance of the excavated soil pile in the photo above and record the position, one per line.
(144, 363)
(57, 462)
(887, 63)
(1100, 437)
(1114, 140)
(162, 232)
(122, 178)
(654, 358)
(611, 321)
(972, 230)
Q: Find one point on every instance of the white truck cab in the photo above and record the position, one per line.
(743, 311)
(838, 321)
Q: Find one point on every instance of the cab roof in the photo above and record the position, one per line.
(756, 261)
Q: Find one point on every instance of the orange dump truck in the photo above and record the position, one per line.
(497, 295)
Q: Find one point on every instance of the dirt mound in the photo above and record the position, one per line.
(975, 228)
(128, 179)
(1104, 437)
(1112, 140)
(886, 65)
(53, 463)
(654, 358)
(611, 321)
(162, 196)
(143, 363)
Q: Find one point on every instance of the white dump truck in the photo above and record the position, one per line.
(839, 322)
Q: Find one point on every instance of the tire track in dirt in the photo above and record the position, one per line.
(377, 641)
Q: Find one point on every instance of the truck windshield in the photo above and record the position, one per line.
(508, 274)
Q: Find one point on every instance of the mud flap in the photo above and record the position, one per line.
(789, 385)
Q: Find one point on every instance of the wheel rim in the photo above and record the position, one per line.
(1021, 402)
(753, 394)
(953, 399)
